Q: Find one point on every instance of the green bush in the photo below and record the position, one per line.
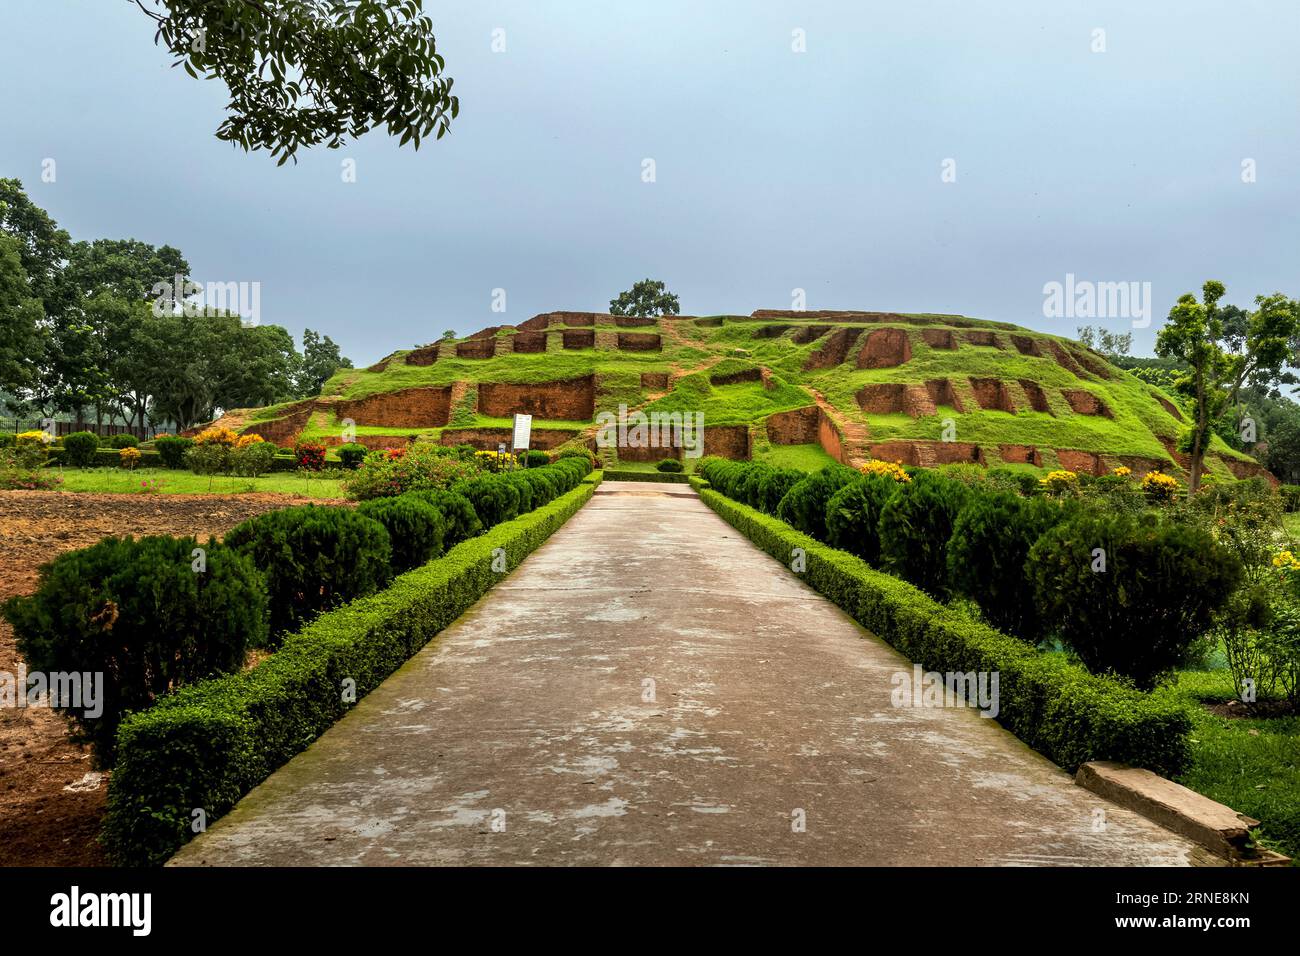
(352, 454)
(494, 498)
(139, 614)
(171, 449)
(314, 558)
(123, 440)
(253, 459)
(210, 458)
(853, 515)
(1053, 705)
(804, 505)
(1161, 584)
(7, 440)
(671, 465)
(536, 459)
(458, 514)
(990, 542)
(79, 449)
(416, 529)
(208, 745)
(774, 485)
(915, 526)
(1290, 498)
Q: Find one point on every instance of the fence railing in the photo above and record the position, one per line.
(17, 425)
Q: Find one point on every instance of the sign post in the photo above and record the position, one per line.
(523, 431)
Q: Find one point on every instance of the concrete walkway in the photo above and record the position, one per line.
(649, 688)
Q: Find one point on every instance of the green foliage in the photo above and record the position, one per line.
(314, 558)
(209, 745)
(915, 526)
(137, 613)
(853, 515)
(671, 465)
(645, 298)
(1054, 706)
(1161, 584)
(804, 505)
(775, 485)
(494, 497)
(123, 441)
(79, 449)
(252, 459)
(416, 529)
(320, 360)
(417, 467)
(208, 459)
(352, 455)
(535, 459)
(306, 74)
(171, 449)
(459, 517)
(986, 558)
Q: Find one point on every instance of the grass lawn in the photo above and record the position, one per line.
(1291, 524)
(803, 457)
(1250, 765)
(168, 482)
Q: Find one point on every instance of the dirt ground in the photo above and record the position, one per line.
(51, 799)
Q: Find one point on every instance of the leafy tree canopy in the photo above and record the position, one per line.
(647, 297)
(306, 72)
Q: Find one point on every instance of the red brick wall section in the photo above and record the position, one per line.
(569, 400)
(1079, 462)
(771, 331)
(634, 321)
(942, 393)
(425, 355)
(885, 348)
(894, 397)
(809, 333)
(828, 436)
(901, 451)
(538, 323)
(283, 431)
(1083, 402)
(938, 338)
(1025, 345)
(1021, 454)
(1064, 358)
(1037, 398)
(407, 408)
(543, 439)
(982, 337)
(639, 342)
(1169, 406)
(579, 339)
(744, 375)
(477, 349)
(656, 381)
(1248, 469)
(528, 342)
(728, 441)
(992, 394)
(797, 427)
(834, 350)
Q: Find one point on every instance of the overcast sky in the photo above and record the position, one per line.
(774, 169)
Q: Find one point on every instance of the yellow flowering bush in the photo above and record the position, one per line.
(1287, 560)
(1123, 471)
(1060, 481)
(1159, 486)
(495, 461)
(243, 441)
(34, 437)
(892, 470)
(128, 457)
(216, 436)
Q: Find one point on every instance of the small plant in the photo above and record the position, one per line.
(1159, 487)
(79, 449)
(309, 455)
(892, 470)
(496, 462)
(1060, 482)
(399, 470)
(35, 437)
(217, 435)
(252, 456)
(352, 455)
(416, 529)
(1122, 471)
(536, 459)
(151, 486)
(128, 457)
(669, 466)
(171, 450)
(123, 440)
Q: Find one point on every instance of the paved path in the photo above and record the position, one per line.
(769, 705)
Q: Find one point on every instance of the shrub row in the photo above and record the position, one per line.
(614, 474)
(209, 744)
(1055, 706)
(1129, 592)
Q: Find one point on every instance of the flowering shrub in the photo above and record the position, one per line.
(1159, 486)
(1285, 559)
(150, 486)
(399, 470)
(1123, 471)
(893, 470)
(128, 457)
(216, 436)
(310, 455)
(495, 461)
(25, 479)
(252, 438)
(35, 437)
(1060, 482)
(252, 458)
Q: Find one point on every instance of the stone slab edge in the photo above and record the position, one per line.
(1220, 829)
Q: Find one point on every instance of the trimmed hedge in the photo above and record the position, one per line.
(208, 745)
(1054, 706)
(659, 476)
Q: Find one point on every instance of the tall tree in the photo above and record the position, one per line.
(1222, 357)
(647, 297)
(306, 72)
(21, 346)
(42, 245)
(128, 268)
(320, 360)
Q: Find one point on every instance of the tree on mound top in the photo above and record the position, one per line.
(1225, 349)
(646, 297)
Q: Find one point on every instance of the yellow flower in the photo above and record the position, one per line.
(889, 470)
(216, 436)
(1059, 480)
(1123, 471)
(251, 439)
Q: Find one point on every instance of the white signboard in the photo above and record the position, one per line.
(523, 430)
